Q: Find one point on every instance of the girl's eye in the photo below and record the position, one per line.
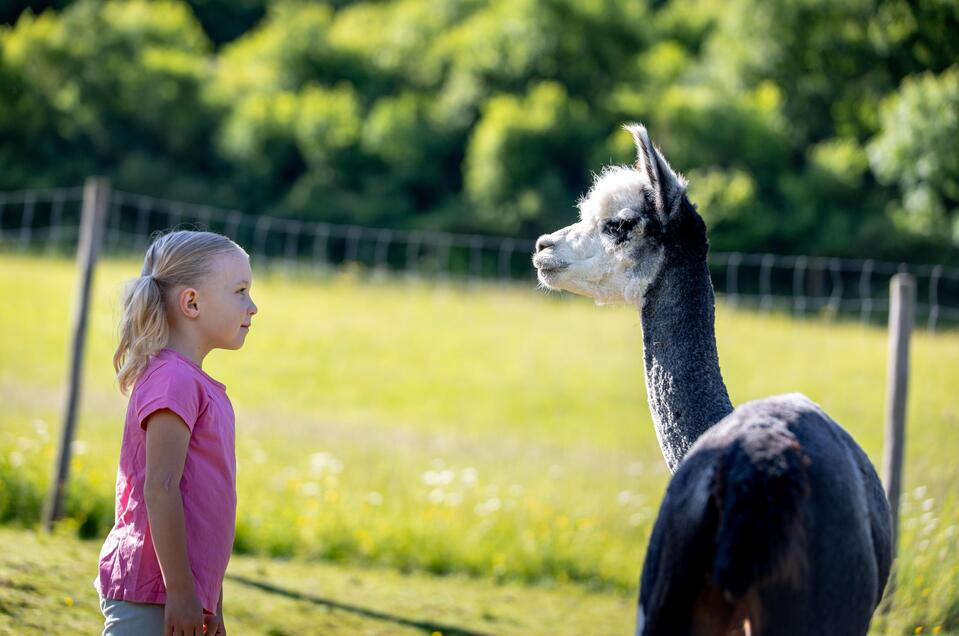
(241, 291)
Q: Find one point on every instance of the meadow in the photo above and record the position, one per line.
(491, 432)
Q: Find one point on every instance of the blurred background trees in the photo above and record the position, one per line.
(804, 126)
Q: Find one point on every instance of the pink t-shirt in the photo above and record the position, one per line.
(129, 569)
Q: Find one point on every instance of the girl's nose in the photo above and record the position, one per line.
(253, 308)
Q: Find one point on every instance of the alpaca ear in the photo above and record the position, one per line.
(668, 187)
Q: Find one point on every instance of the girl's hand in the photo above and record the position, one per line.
(213, 625)
(183, 615)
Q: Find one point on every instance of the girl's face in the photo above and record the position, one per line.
(226, 307)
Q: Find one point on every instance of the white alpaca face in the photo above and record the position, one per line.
(614, 253)
(603, 256)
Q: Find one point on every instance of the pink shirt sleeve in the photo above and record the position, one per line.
(170, 386)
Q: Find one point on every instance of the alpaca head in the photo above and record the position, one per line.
(632, 221)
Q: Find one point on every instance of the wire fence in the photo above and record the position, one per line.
(48, 220)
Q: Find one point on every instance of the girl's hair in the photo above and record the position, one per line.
(181, 257)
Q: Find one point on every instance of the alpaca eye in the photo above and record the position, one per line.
(618, 228)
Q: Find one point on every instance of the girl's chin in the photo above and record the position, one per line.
(237, 342)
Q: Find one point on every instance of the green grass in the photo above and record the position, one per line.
(487, 431)
(46, 588)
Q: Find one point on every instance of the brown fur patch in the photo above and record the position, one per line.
(714, 615)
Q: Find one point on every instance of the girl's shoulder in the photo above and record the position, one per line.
(168, 366)
(161, 368)
(172, 382)
(169, 373)
(158, 365)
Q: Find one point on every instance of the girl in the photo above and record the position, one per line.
(162, 565)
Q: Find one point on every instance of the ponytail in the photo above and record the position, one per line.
(178, 258)
(143, 330)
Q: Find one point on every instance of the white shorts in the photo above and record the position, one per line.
(123, 618)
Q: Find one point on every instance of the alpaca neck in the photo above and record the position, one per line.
(683, 381)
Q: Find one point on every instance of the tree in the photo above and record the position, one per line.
(127, 102)
(524, 163)
(917, 150)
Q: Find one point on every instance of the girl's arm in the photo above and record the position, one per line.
(167, 440)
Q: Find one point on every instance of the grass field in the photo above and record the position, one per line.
(488, 432)
(45, 589)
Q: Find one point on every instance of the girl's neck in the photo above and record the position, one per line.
(683, 381)
(188, 348)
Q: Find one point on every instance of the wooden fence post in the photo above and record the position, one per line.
(902, 301)
(96, 198)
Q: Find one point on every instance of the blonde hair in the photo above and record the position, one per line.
(181, 257)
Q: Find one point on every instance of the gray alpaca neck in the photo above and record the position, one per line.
(686, 391)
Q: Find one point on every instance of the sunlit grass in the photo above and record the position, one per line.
(494, 431)
(47, 590)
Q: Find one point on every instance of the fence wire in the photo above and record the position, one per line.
(47, 220)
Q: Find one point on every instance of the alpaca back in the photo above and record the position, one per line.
(760, 488)
(774, 517)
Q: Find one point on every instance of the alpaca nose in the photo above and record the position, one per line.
(543, 242)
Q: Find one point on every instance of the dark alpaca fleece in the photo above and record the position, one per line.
(685, 387)
(775, 514)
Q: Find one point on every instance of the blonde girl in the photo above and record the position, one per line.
(162, 565)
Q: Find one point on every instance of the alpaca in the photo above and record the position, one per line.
(775, 521)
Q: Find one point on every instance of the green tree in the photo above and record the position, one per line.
(112, 87)
(917, 149)
(805, 126)
(525, 165)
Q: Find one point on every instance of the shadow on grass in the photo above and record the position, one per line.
(426, 626)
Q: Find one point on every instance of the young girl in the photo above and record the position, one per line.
(162, 565)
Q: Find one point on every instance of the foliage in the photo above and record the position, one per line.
(815, 127)
(523, 156)
(916, 150)
(81, 105)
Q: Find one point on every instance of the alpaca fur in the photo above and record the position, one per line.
(775, 521)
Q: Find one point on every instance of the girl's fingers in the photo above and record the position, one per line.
(188, 630)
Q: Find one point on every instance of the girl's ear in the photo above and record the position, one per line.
(187, 302)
